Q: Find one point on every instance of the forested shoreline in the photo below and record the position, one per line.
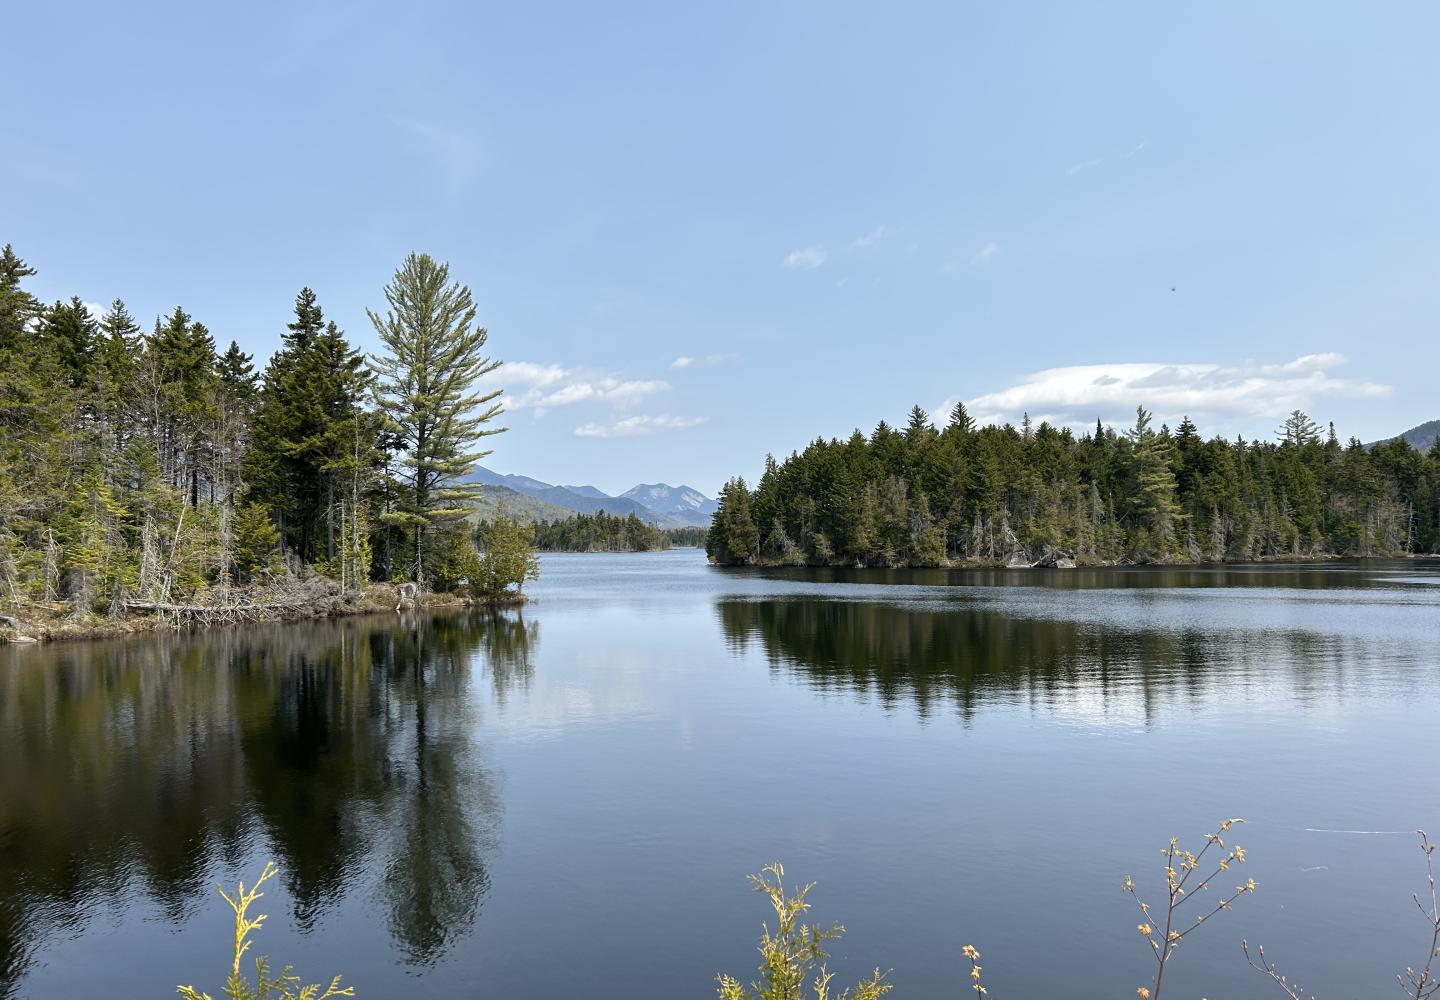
(604, 532)
(155, 469)
(1042, 495)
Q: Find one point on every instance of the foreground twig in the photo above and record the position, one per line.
(1180, 866)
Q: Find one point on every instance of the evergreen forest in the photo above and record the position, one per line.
(1043, 495)
(599, 532)
(156, 465)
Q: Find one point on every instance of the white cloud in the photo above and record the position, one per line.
(638, 426)
(1218, 397)
(1135, 149)
(871, 238)
(543, 387)
(806, 259)
(685, 361)
(96, 310)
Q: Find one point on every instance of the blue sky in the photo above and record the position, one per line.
(701, 233)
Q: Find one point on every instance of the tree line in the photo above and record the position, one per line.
(157, 464)
(1040, 494)
(599, 532)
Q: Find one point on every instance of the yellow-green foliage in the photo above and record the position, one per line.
(284, 986)
(256, 541)
(791, 955)
(1183, 885)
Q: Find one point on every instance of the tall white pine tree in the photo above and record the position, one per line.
(425, 384)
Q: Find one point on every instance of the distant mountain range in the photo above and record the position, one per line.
(530, 499)
(1421, 438)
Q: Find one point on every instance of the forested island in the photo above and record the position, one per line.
(602, 532)
(1041, 495)
(154, 471)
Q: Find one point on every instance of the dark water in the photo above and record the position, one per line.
(565, 802)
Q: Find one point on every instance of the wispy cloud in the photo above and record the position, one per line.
(871, 238)
(638, 426)
(1075, 168)
(685, 361)
(807, 259)
(1228, 396)
(1084, 165)
(541, 388)
(984, 255)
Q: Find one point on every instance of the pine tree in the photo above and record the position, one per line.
(426, 387)
(1298, 430)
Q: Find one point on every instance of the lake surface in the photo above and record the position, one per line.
(565, 801)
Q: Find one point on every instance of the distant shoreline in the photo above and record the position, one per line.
(1300, 560)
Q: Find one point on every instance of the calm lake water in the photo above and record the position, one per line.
(565, 801)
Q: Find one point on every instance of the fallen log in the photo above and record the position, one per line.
(192, 609)
(231, 614)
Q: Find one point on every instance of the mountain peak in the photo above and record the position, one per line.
(676, 501)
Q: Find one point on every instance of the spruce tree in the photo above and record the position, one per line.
(73, 332)
(17, 306)
(306, 428)
(426, 387)
(960, 419)
(1157, 483)
(118, 348)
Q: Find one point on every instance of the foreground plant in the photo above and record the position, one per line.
(1180, 867)
(1416, 985)
(791, 955)
(284, 986)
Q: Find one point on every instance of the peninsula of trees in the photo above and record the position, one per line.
(1041, 495)
(599, 532)
(158, 468)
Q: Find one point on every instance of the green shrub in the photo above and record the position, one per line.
(284, 986)
(791, 955)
